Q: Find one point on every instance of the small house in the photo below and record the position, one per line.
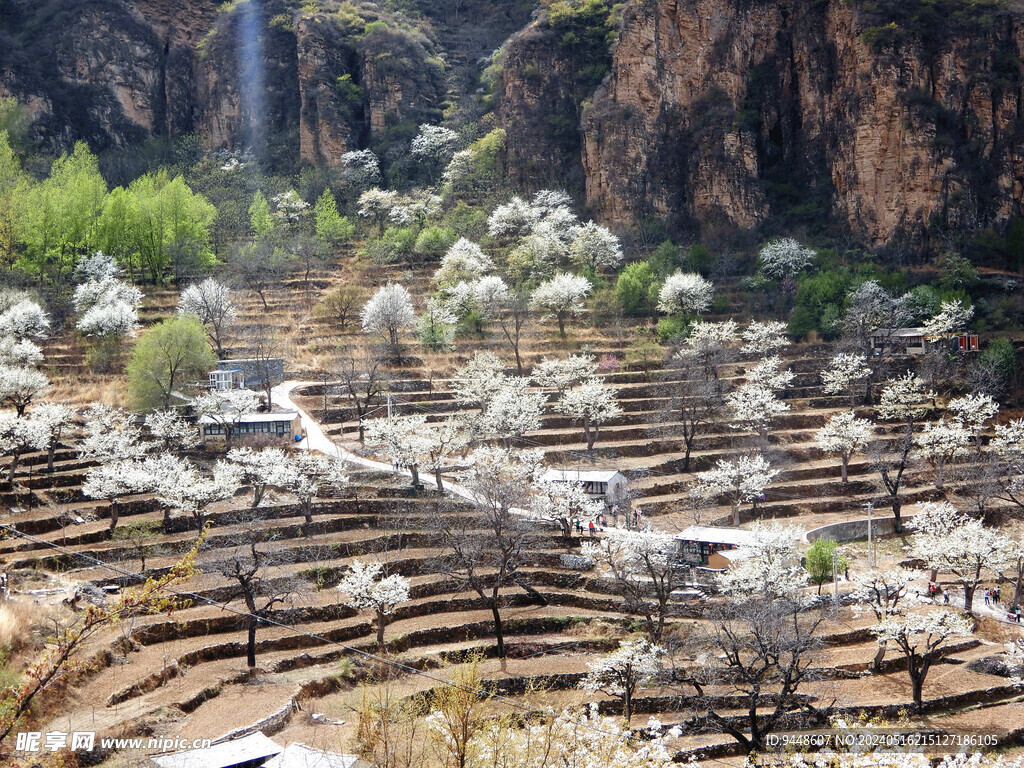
(608, 485)
(300, 756)
(710, 547)
(250, 751)
(258, 373)
(227, 378)
(907, 341)
(283, 425)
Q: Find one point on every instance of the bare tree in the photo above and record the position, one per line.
(363, 378)
(696, 401)
(484, 546)
(249, 568)
(762, 651)
(512, 314)
(264, 348)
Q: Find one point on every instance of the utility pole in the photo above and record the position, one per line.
(871, 541)
(835, 584)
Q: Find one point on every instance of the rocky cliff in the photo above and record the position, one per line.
(898, 118)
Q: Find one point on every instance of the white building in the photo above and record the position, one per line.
(710, 547)
(608, 485)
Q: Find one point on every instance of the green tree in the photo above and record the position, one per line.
(634, 288)
(59, 215)
(820, 558)
(169, 356)
(13, 185)
(260, 218)
(331, 227)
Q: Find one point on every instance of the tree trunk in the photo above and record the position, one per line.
(846, 462)
(498, 634)
(876, 663)
(114, 514)
(561, 324)
(938, 474)
(250, 649)
(736, 514)
(49, 456)
(969, 596)
(414, 471)
(897, 505)
(380, 629)
(627, 704)
(438, 480)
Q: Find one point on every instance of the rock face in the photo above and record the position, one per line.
(737, 110)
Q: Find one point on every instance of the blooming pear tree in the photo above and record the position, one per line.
(773, 568)
(107, 306)
(210, 302)
(360, 169)
(710, 345)
(189, 490)
(565, 503)
(389, 311)
(512, 411)
(514, 219)
(641, 564)
(754, 408)
(844, 373)
(594, 247)
(562, 297)
(950, 541)
(591, 404)
(622, 671)
(368, 587)
(883, 591)
(436, 326)
(55, 419)
(739, 481)
(20, 385)
(171, 430)
(685, 293)
(434, 143)
(19, 436)
(17, 353)
(784, 257)
(920, 636)
(941, 442)
(24, 319)
(765, 339)
(464, 261)
(768, 374)
(562, 373)
(402, 440)
(952, 317)
(972, 411)
(305, 474)
(844, 435)
(260, 469)
(114, 480)
(481, 376)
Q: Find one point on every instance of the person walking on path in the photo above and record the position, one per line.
(591, 529)
(987, 597)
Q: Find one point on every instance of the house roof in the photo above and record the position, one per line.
(581, 475)
(900, 332)
(254, 418)
(255, 746)
(300, 756)
(735, 555)
(711, 535)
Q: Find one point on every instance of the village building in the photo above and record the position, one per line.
(252, 751)
(284, 426)
(607, 485)
(702, 546)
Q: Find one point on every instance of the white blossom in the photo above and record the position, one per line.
(1008, 441)
(566, 503)
(377, 203)
(765, 339)
(768, 374)
(20, 385)
(772, 567)
(973, 411)
(562, 373)
(107, 307)
(592, 404)
(115, 479)
(844, 434)
(388, 311)
(171, 429)
(20, 435)
(595, 247)
(561, 297)
(618, 673)
(23, 320)
(97, 267)
(941, 442)
(459, 167)
(289, 207)
(843, 372)
(952, 317)
(513, 219)
(210, 302)
(367, 587)
(488, 293)
(434, 141)
(784, 257)
(360, 168)
(14, 352)
(482, 375)
(110, 435)
(464, 261)
(549, 201)
(754, 407)
(512, 411)
(740, 481)
(685, 292)
(904, 399)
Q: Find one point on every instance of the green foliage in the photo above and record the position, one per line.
(348, 90)
(820, 302)
(14, 121)
(672, 327)
(331, 227)
(170, 356)
(666, 259)
(822, 557)
(432, 242)
(644, 354)
(58, 215)
(260, 218)
(1000, 356)
(636, 288)
(956, 272)
(700, 259)
(587, 30)
(394, 245)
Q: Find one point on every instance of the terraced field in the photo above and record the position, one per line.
(187, 674)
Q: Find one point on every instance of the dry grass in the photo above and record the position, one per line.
(15, 626)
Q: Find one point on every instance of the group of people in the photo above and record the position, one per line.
(993, 598)
(600, 522)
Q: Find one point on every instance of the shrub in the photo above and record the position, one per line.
(672, 327)
(633, 289)
(432, 242)
(394, 245)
